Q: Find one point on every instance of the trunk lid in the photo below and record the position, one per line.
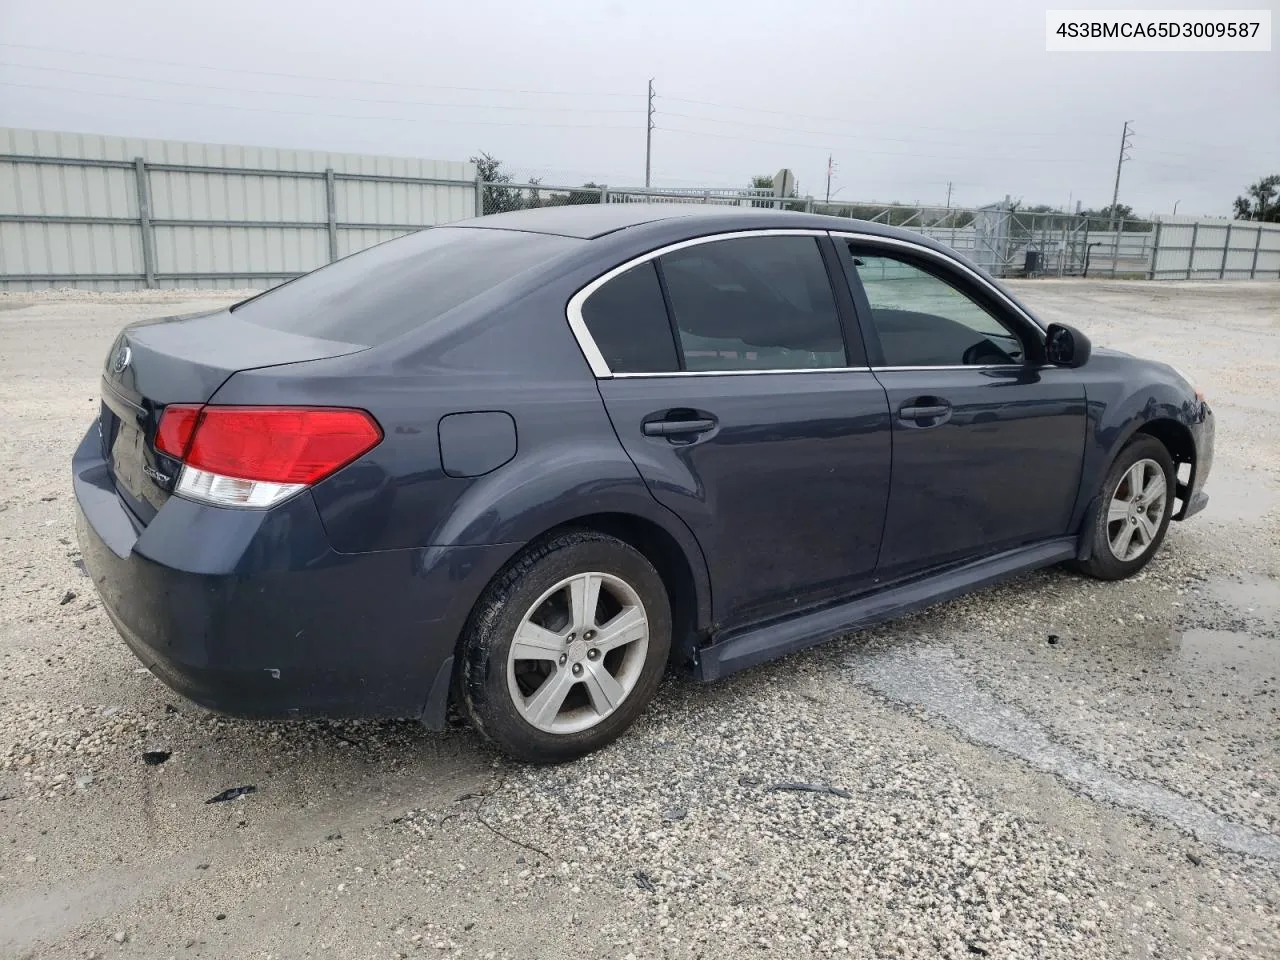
(180, 360)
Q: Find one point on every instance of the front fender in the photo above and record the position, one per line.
(1123, 396)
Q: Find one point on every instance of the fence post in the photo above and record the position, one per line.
(1115, 248)
(1226, 248)
(1155, 250)
(144, 222)
(479, 196)
(1191, 257)
(1257, 245)
(331, 207)
(604, 193)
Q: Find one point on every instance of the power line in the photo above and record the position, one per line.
(883, 153)
(322, 96)
(310, 113)
(327, 96)
(310, 76)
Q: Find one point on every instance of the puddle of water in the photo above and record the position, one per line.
(1239, 496)
(1259, 596)
(1226, 648)
(930, 679)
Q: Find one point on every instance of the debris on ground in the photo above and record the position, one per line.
(153, 758)
(812, 788)
(233, 793)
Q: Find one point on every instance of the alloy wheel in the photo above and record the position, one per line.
(578, 653)
(1137, 509)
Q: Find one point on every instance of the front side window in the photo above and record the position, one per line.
(753, 303)
(923, 321)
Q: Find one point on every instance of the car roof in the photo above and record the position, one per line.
(591, 221)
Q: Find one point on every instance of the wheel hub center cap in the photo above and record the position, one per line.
(577, 651)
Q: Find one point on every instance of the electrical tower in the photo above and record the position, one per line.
(648, 137)
(1115, 194)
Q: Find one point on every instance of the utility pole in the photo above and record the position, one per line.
(829, 172)
(648, 138)
(948, 196)
(1115, 194)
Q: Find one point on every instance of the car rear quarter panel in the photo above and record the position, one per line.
(517, 357)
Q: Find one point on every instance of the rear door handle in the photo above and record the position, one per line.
(675, 428)
(919, 413)
(924, 412)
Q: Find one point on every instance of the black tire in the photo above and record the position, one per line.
(1103, 564)
(491, 629)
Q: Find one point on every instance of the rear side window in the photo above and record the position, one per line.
(754, 303)
(628, 321)
(380, 293)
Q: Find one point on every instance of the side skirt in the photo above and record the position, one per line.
(747, 648)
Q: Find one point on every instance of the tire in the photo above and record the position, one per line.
(542, 595)
(1112, 556)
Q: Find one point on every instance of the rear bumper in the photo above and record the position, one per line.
(252, 613)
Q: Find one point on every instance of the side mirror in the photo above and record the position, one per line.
(1066, 346)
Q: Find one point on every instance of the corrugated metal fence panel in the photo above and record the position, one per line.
(1217, 249)
(110, 256)
(353, 241)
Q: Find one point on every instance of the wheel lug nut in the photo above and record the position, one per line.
(564, 658)
(588, 634)
(577, 669)
(593, 654)
(572, 637)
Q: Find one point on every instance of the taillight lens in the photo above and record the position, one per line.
(258, 456)
(177, 424)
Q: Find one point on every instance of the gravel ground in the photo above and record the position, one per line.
(1052, 768)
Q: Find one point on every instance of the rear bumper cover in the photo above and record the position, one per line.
(252, 613)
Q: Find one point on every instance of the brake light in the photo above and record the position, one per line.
(177, 424)
(258, 456)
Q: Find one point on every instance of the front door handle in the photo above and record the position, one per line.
(676, 428)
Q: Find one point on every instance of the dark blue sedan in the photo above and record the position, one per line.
(523, 463)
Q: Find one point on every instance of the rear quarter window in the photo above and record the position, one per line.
(627, 318)
(380, 293)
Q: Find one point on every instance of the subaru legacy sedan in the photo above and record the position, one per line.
(522, 464)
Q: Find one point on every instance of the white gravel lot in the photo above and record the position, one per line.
(1053, 768)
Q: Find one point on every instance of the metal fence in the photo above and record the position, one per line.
(1189, 249)
(109, 213)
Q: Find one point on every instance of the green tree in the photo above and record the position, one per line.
(1261, 201)
(498, 198)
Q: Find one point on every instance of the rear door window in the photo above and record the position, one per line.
(754, 303)
(380, 293)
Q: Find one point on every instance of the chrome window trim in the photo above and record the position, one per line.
(949, 260)
(956, 366)
(739, 373)
(595, 359)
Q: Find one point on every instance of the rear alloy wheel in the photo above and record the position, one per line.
(566, 647)
(1134, 512)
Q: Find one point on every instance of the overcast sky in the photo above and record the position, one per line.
(907, 96)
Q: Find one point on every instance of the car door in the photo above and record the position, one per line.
(988, 440)
(730, 383)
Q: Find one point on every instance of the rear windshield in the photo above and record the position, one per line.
(380, 293)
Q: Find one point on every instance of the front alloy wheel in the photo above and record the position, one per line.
(1136, 511)
(1134, 506)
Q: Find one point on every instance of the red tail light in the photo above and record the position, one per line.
(257, 456)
